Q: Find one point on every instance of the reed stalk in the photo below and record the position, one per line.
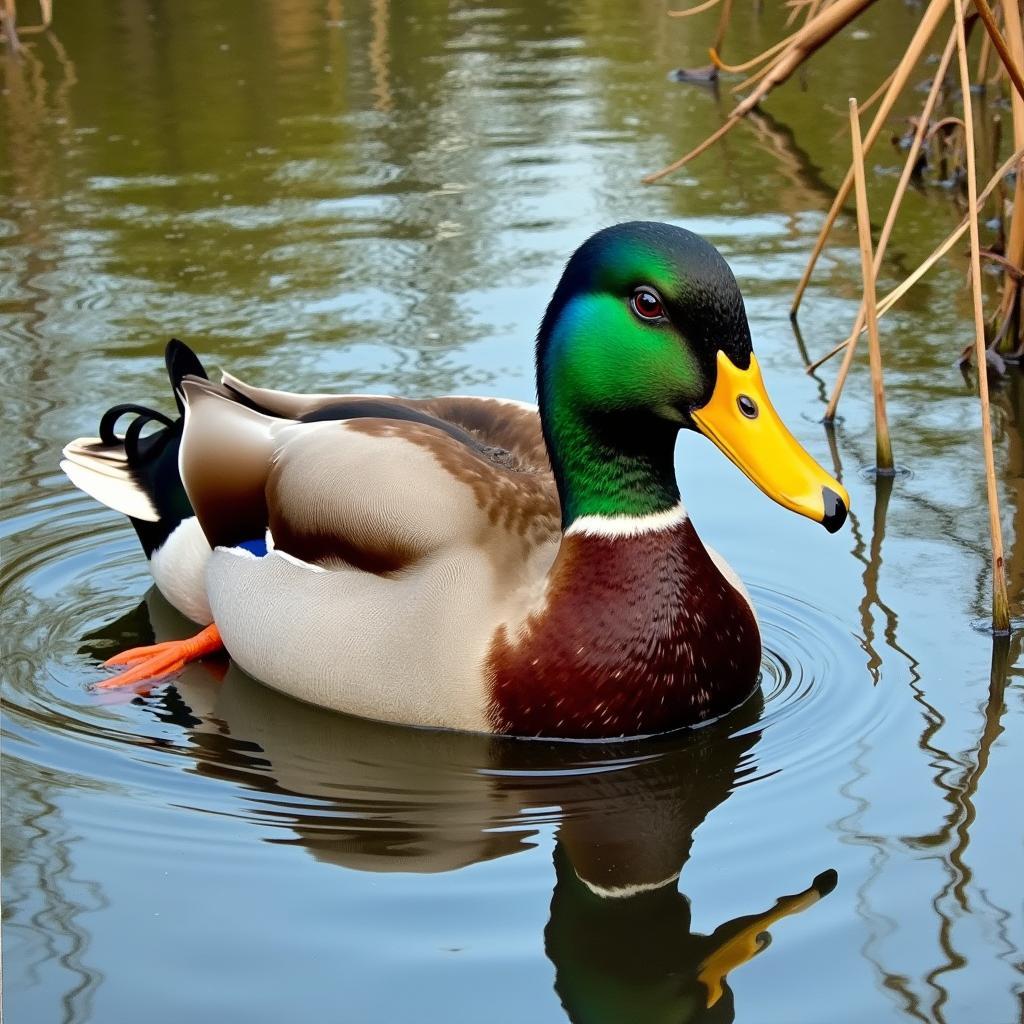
(883, 443)
(1000, 600)
(690, 11)
(1009, 317)
(878, 93)
(753, 79)
(915, 49)
(1012, 67)
(723, 24)
(14, 32)
(10, 25)
(983, 57)
(735, 69)
(937, 253)
(890, 218)
(795, 7)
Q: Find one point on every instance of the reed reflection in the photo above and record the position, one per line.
(957, 775)
(373, 797)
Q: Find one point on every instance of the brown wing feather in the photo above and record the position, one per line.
(508, 425)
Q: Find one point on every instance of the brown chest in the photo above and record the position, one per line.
(639, 635)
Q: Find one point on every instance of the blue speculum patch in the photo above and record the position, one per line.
(255, 547)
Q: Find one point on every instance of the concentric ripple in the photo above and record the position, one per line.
(812, 712)
(283, 764)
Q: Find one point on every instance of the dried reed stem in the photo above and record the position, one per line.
(809, 39)
(1009, 307)
(723, 24)
(936, 129)
(890, 217)
(937, 253)
(883, 443)
(878, 93)
(706, 144)
(10, 25)
(994, 257)
(45, 12)
(756, 77)
(775, 52)
(772, 51)
(929, 22)
(699, 9)
(983, 56)
(810, 6)
(1000, 601)
(832, 352)
(1012, 68)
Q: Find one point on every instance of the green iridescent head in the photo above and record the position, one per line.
(646, 334)
(637, 320)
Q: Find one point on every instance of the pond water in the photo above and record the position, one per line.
(357, 195)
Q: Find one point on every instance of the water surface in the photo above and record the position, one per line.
(373, 196)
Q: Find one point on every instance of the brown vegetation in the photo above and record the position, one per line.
(950, 143)
(944, 136)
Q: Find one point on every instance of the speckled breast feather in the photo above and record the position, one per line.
(638, 635)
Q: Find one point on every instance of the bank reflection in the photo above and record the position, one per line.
(373, 797)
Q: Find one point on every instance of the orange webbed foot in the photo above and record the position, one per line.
(159, 660)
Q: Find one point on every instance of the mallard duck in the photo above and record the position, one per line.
(477, 563)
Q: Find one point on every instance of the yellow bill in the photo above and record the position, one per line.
(740, 419)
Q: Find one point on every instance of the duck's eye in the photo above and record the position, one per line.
(747, 406)
(646, 304)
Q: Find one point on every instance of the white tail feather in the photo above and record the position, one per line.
(102, 472)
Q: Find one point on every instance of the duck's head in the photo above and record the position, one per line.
(646, 334)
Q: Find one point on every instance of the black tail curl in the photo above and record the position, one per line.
(181, 361)
(132, 435)
(153, 458)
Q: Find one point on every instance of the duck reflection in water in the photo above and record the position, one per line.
(375, 797)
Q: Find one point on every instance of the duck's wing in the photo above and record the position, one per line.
(378, 485)
(493, 422)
